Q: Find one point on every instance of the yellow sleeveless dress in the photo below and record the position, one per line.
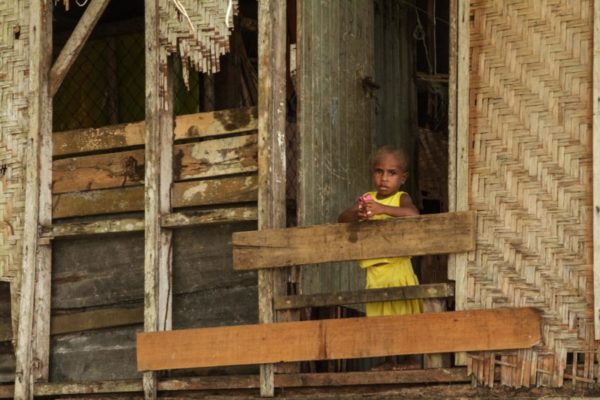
(390, 272)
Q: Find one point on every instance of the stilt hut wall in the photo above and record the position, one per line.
(530, 171)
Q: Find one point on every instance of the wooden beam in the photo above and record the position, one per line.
(72, 48)
(410, 236)
(32, 350)
(131, 199)
(192, 126)
(88, 320)
(219, 216)
(232, 382)
(480, 330)
(596, 169)
(171, 221)
(430, 291)
(272, 50)
(210, 158)
(158, 138)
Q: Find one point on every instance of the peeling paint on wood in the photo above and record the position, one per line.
(201, 125)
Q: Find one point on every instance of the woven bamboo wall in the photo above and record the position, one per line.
(530, 170)
(13, 130)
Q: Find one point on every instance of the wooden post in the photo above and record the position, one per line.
(271, 152)
(596, 168)
(34, 308)
(458, 117)
(158, 180)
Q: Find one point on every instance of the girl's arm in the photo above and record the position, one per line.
(407, 209)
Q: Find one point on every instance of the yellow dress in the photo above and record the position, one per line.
(390, 272)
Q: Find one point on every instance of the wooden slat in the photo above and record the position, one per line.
(411, 236)
(479, 330)
(73, 47)
(205, 159)
(201, 125)
(225, 215)
(596, 169)
(272, 42)
(131, 199)
(430, 291)
(158, 138)
(172, 220)
(441, 375)
(34, 302)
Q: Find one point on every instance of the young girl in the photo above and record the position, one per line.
(389, 172)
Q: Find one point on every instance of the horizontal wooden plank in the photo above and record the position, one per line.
(214, 123)
(410, 236)
(480, 330)
(89, 320)
(130, 199)
(96, 319)
(430, 291)
(445, 375)
(224, 215)
(210, 158)
(94, 228)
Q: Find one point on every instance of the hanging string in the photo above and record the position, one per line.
(81, 3)
(183, 12)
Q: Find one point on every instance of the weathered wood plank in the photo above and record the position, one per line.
(131, 199)
(88, 320)
(172, 221)
(94, 228)
(480, 330)
(272, 42)
(200, 125)
(192, 160)
(225, 215)
(73, 47)
(364, 296)
(425, 234)
(446, 375)
(158, 293)
(596, 169)
(34, 306)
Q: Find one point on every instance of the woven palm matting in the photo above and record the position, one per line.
(530, 167)
(14, 66)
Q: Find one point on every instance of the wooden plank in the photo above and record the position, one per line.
(32, 352)
(200, 125)
(158, 298)
(425, 234)
(131, 199)
(272, 50)
(205, 159)
(172, 220)
(96, 319)
(93, 228)
(225, 215)
(479, 330)
(364, 296)
(461, 163)
(596, 169)
(72, 48)
(446, 375)
(88, 320)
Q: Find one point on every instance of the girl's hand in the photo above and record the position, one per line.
(373, 208)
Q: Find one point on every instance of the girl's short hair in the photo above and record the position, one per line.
(398, 152)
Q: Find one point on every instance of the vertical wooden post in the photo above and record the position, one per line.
(32, 352)
(158, 180)
(596, 168)
(271, 151)
(458, 180)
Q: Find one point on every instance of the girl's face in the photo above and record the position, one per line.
(388, 176)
